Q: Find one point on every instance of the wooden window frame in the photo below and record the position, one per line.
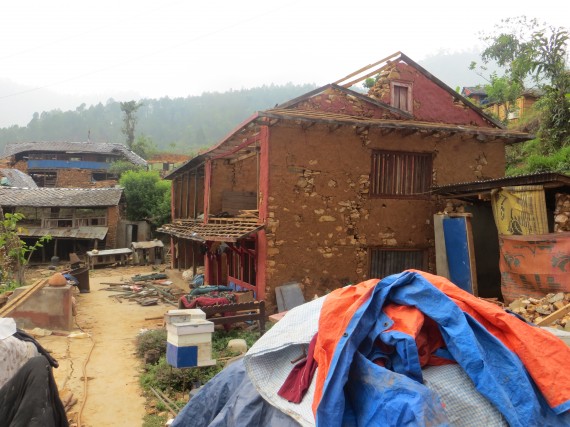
(409, 87)
(410, 190)
(422, 251)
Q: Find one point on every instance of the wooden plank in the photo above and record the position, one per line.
(554, 316)
(21, 298)
(363, 69)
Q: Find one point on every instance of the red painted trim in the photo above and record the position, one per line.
(207, 184)
(172, 201)
(261, 278)
(208, 267)
(232, 133)
(173, 252)
(263, 173)
(242, 284)
(244, 144)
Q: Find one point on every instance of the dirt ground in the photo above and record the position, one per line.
(112, 395)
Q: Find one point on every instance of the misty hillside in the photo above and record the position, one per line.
(177, 124)
(180, 124)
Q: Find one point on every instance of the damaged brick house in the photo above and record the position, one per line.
(69, 164)
(332, 187)
(78, 219)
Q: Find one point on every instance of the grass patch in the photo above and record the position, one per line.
(173, 381)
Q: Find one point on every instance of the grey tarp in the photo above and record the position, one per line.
(230, 400)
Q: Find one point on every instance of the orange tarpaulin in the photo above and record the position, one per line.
(534, 265)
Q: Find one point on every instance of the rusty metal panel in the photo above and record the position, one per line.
(384, 262)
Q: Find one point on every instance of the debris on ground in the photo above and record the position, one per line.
(148, 289)
(553, 310)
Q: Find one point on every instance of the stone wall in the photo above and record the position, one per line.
(322, 220)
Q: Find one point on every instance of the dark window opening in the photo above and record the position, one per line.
(401, 174)
(384, 262)
(44, 179)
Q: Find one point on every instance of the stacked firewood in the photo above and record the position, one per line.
(553, 310)
(562, 213)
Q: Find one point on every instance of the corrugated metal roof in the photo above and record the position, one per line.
(98, 233)
(60, 197)
(75, 147)
(17, 178)
(462, 189)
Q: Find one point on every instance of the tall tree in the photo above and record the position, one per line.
(129, 108)
(531, 54)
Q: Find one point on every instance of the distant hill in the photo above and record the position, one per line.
(177, 124)
(181, 125)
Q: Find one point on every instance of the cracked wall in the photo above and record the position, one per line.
(322, 219)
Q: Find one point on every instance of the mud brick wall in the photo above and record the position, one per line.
(113, 216)
(238, 176)
(322, 221)
(21, 165)
(74, 178)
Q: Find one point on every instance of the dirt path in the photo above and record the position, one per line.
(113, 394)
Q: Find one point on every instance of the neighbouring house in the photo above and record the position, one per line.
(70, 164)
(477, 94)
(332, 187)
(77, 219)
(166, 162)
(523, 104)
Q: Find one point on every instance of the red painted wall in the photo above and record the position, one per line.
(433, 104)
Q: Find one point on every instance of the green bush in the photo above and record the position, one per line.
(164, 377)
(150, 340)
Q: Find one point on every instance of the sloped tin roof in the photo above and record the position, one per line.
(60, 197)
(75, 147)
(17, 178)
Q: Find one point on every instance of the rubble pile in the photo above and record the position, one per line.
(145, 290)
(562, 213)
(553, 310)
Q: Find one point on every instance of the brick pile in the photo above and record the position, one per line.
(539, 311)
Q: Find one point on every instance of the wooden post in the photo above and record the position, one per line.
(207, 184)
(261, 237)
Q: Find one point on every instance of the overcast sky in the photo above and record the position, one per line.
(179, 48)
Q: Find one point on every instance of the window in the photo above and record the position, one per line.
(401, 95)
(384, 262)
(400, 174)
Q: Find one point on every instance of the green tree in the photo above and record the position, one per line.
(147, 196)
(531, 54)
(14, 253)
(122, 166)
(130, 108)
(144, 147)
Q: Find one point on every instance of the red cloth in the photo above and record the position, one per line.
(203, 302)
(300, 377)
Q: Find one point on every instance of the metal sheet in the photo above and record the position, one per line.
(98, 233)
(147, 245)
